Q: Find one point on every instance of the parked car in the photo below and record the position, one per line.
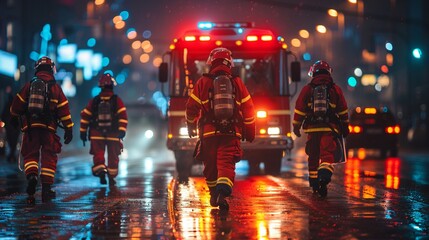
(374, 128)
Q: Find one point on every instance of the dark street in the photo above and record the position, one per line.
(368, 199)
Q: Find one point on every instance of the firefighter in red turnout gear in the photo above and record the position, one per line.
(219, 147)
(322, 146)
(40, 105)
(106, 117)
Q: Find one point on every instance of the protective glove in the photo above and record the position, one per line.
(249, 134)
(345, 128)
(83, 136)
(14, 122)
(121, 134)
(296, 131)
(192, 129)
(68, 135)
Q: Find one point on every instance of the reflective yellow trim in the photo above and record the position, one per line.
(87, 112)
(245, 99)
(54, 100)
(226, 181)
(47, 174)
(20, 98)
(112, 171)
(295, 122)
(42, 125)
(247, 122)
(238, 103)
(211, 183)
(121, 110)
(63, 103)
(123, 121)
(196, 98)
(98, 167)
(31, 164)
(343, 112)
(104, 138)
(299, 112)
(84, 121)
(123, 129)
(70, 125)
(326, 166)
(82, 129)
(65, 118)
(322, 129)
(332, 105)
(48, 170)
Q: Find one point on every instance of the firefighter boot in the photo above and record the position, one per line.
(314, 184)
(112, 181)
(222, 203)
(31, 184)
(324, 177)
(102, 176)
(47, 192)
(213, 197)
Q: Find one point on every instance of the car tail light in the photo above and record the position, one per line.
(393, 129)
(204, 38)
(190, 38)
(355, 129)
(266, 37)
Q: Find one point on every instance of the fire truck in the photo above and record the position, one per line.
(261, 61)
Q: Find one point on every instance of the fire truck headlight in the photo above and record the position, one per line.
(273, 130)
(183, 131)
(261, 114)
(148, 133)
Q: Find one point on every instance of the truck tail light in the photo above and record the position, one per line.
(261, 114)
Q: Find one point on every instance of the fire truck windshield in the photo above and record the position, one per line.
(259, 73)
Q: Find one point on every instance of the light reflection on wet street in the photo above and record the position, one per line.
(368, 199)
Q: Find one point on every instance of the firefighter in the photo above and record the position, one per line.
(40, 141)
(106, 117)
(322, 146)
(219, 149)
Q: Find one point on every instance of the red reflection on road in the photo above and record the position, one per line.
(392, 173)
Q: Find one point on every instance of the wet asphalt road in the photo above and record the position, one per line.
(368, 198)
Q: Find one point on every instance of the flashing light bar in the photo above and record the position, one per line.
(190, 38)
(252, 38)
(210, 25)
(204, 38)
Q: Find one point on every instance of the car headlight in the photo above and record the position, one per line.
(148, 133)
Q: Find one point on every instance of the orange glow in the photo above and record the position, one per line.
(252, 38)
(136, 44)
(267, 38)
(370, 111)
(126, 59)
(144, 58)
(204, 38)
(295, 42)
(99, 2)
(190, 38)
(238, 42)
(218, 43)
(120, 25)
(262, 131)
(352, 178)
(157, 61)
(384, 69)
(284, 46)
(172, 46)
(132, 35)
(116, 19)
(2, 124)
(321, 29)
(361, 154)
(304, 33)
(332, 12)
